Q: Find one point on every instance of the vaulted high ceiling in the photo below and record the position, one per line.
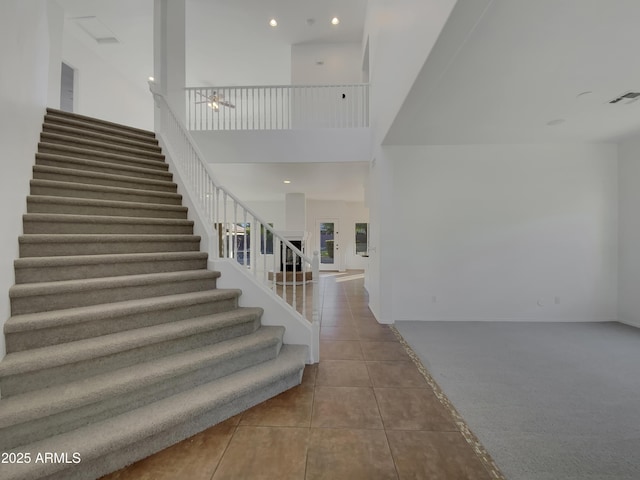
(523, 71)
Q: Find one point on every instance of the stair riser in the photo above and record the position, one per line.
(109, 182)
(92, 124)
(92, 469)
(90, 328)
(114, 269)
(35, 206)
(46, 227)
(24, 433)
(58, 375)
(64, 150)
(75, 191)
(151, 145)
(57, 301)
(106, 168)
(103, 147)
(51, 249)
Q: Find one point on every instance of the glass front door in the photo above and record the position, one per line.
(329, 247)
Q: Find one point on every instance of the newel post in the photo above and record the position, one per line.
(315, 314)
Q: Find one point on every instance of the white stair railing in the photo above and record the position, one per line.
(277, 107)
(237, 232)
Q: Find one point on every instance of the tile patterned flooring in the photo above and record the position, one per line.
(366, 411)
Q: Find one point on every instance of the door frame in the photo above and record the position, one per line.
(337, 264)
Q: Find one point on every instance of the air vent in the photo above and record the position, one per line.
(628, 97)
(96, 29)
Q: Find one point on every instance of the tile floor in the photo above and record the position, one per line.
(364, 412)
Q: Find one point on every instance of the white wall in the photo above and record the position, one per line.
(270, 212)
(24, 86)
(401, 35)
(101, 91)
(55, 15)
(279, 146)
(342, 64)
(504, 232)
(629, 246)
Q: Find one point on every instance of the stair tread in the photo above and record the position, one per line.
(93, 144)
(107, 176)
(98, 163)
(151, 143)
(89, 284)
(73, 218)
(69, 316)
(95, 440)
(103, 188)
(39, 403)
(83, 118)
(79, 350)
(96, 153)
(48, 199)
(70, 260)
(100, 238)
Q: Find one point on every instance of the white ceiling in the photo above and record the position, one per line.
(252, 17)
(523, 64)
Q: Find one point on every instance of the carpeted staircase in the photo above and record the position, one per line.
(119, 343)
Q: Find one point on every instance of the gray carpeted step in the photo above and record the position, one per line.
(47, 296)
(50, 223)
(106, 446)
(55, 115)
(102, 167)
(102, 192)
(81, 206)
(40, 368)
(46, 137)
(52, 269)
(106, 157)
(119, 343)
(89, 126)
(35, 330)
(96, 178)
(79, 132)
(98, 244)
(32, 416)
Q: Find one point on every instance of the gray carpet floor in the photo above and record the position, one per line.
(549, 401)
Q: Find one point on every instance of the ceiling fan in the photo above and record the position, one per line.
(215, 101)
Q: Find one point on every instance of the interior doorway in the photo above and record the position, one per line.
(66, 88)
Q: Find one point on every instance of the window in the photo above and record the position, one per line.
(362, 239)
(268, 236)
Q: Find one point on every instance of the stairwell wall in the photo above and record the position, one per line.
(25, 48)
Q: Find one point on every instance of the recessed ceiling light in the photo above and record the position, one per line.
(151, 79)
(287, 181)
(335, 21)
(273, 22)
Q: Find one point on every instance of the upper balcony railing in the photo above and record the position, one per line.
(277, 107)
